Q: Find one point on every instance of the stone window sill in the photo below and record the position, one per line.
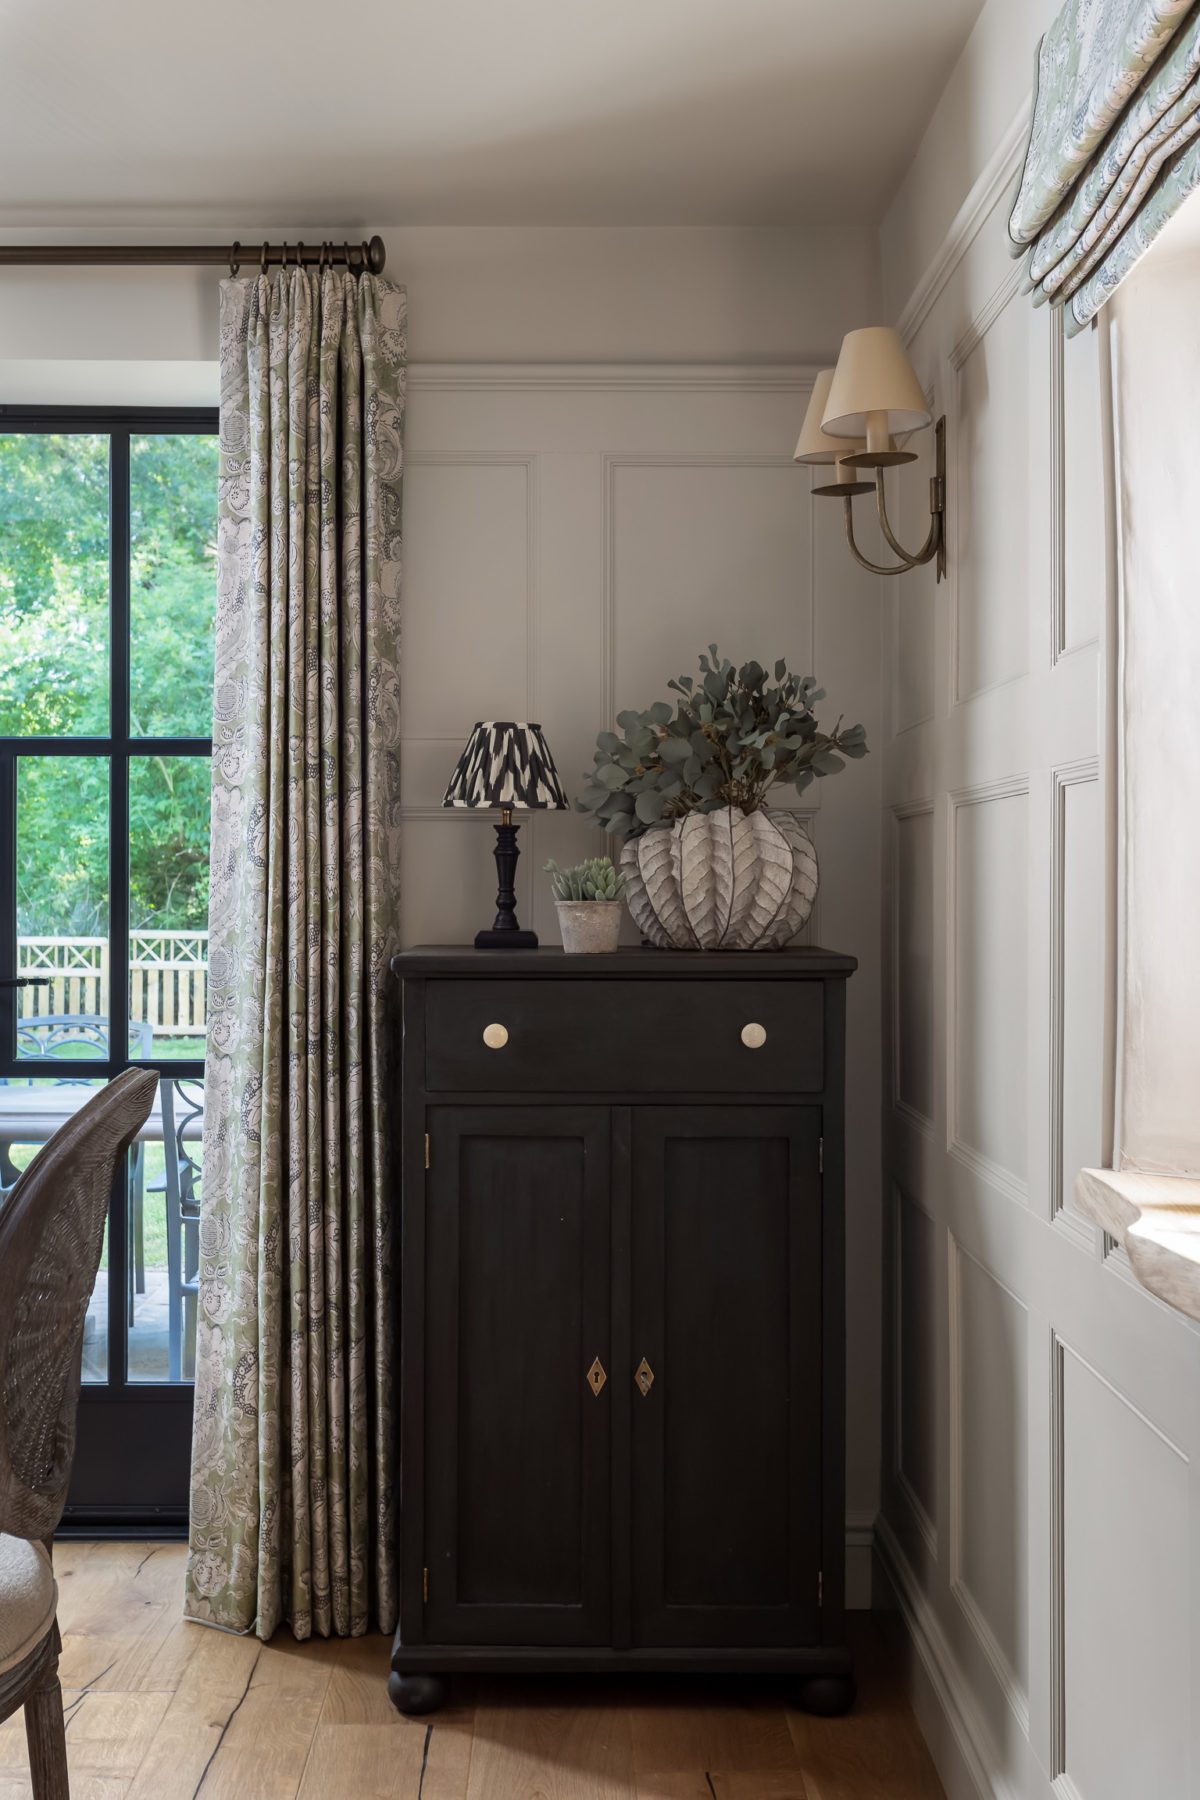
(1156, 1218)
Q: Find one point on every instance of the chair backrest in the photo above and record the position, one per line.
(51, 1240)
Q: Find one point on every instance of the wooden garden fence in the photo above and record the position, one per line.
(168, 979)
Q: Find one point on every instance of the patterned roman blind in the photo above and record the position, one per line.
(1114, 147)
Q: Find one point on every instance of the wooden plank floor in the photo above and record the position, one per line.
(160, 1710)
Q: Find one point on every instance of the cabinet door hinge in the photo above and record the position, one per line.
(426, 1149)
(425, 1586)
(820, 1155)
(820, 1588)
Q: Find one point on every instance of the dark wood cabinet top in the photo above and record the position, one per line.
(670, 965)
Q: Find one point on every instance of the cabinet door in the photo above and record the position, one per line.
(517, 1440)
(726, 1464)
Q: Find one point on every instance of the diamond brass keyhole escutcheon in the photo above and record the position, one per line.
(596, 1377)
(495, 1036)
(753, 1036)
(644, 1376)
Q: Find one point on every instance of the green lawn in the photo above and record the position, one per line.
(154, 1204)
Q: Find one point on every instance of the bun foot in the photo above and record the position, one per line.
(416, 1694)
(827, 1695)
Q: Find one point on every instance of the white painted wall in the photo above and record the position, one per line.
(599, 483)
(1040, 1422)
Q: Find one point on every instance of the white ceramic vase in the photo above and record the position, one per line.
(589, 927)
(722, 880)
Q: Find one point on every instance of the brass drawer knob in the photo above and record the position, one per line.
(495, 1036)
(753, 1036)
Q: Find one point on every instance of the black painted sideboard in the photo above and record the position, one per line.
(622, 1360)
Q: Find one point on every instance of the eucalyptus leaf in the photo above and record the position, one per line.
(726, 742)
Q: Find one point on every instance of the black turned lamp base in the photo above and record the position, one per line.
(506, 940)
(505, 933)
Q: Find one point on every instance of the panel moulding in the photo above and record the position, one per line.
(1002, 1669)
(612, 464)
(909, 809)
(994, 1173)
(1063, 1786)
(993, 309)
(1067, 776)
(925, 1525)
(467, 459)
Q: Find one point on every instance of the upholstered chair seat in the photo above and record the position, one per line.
(28, 1598)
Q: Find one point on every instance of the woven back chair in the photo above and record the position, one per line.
(51, 1240)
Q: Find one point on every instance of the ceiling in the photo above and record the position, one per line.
(579, 112)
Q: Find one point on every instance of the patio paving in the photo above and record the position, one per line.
(147, 1337)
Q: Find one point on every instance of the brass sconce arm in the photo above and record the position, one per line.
(935, 542)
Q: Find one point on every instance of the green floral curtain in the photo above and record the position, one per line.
(292, 1480)
(1114, 146)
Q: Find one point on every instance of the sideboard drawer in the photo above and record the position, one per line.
(670, 1036)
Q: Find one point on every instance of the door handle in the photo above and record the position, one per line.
(644, 1377)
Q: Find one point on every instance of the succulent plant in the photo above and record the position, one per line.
(596, 879)
(725, 742)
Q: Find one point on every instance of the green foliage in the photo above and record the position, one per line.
(592, 880)
(727, 741)
(54, 671)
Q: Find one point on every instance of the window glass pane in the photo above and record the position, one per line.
(31, 1110)
(54, 602)
(168, 903)
(62, 905)
(173, 584)
(164, 1236)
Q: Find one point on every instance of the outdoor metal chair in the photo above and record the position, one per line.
(51, 1239)
(183, 1220)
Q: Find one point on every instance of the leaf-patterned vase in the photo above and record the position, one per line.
(722, 880)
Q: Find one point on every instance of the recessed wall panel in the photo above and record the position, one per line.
(467, 591)
(989, 1068)
(990, 462)
(991, 1430)
(1082, 981)
(1126, 1649)
(914, 962)
(1083, 490)
(916, 1446)
(706, 553)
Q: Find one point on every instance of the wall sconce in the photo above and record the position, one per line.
(859, 416)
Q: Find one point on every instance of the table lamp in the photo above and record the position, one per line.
(506, 765)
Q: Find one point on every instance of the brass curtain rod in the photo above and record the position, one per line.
(357, 257)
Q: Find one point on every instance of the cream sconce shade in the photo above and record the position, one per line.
(856, 413)
(816, 447)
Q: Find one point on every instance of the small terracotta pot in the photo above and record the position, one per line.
(589, 926)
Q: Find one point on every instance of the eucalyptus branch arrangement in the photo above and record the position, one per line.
(727, 741)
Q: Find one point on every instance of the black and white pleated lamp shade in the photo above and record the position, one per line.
(506, 764)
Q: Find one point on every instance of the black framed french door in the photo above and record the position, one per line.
(107, 609)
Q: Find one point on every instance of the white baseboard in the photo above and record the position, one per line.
(946, 1709)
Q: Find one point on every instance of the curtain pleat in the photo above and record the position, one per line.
(1114, 147)
(292, 1476)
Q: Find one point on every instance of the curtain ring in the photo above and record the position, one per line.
(262, 261)
(346, 253)
(234, 264)
(300, 253)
